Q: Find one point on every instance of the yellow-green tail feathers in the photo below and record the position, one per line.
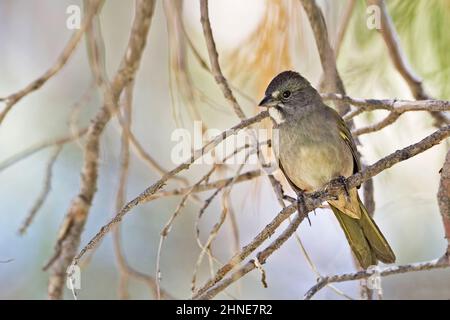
(365, 238)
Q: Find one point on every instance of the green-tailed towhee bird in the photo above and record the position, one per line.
(315, 147)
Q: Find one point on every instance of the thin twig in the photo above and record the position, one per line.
(168, 226)
(121, 190)
(212, 235)
(390, 119)
(219, 184)
(44, 192)
(67, 52)
(234, 227)
(345, 20)
(40, 146)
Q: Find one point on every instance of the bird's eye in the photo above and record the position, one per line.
(286, 94)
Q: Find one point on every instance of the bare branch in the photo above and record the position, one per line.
(396, 108)
(399, 106)
(390, 119)
(413, 267)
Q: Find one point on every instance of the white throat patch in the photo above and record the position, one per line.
(276, 116)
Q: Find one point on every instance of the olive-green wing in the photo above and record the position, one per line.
(348, 138)
(346, 135)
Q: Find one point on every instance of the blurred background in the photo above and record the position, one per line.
(256, 39)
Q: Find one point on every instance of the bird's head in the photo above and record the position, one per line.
(288, 90)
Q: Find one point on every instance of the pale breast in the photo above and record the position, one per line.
(310, 156)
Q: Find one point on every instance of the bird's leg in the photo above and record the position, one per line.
(339, 183)
(289, 198)
(301, 204)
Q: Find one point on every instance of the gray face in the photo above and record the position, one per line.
(287, 92)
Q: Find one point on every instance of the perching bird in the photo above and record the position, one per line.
(314, 146)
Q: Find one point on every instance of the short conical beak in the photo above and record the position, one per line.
(268, 101)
